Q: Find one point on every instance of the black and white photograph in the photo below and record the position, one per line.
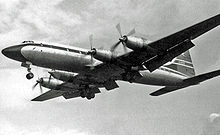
(113, 67)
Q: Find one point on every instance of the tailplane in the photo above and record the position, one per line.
(182, 64)
(187, 82)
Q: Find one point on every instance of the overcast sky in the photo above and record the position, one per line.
(127, 110)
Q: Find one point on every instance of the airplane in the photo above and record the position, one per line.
(77, 72)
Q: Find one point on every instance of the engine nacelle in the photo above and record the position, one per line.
(103, 55)
(62, 75)
(135, 43)
(51, 84)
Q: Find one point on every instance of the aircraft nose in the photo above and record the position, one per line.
(6, 51)
(14, 52)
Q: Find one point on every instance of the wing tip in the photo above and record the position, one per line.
(154, 94)
(35, 99)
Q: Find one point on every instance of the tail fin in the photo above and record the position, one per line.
(183, 64)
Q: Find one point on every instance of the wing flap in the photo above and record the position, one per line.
(69, 95)
(48, 95)
(109, 85)
(75, 94)
(159, 60)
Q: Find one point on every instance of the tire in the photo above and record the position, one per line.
(88, 97)
(29, 76)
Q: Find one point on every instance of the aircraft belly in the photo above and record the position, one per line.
(55, 59)
(161, 78)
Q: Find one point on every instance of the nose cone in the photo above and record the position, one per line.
(14, 52)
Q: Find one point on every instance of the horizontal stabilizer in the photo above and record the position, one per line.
(187, 82)
(166, 89)
(200, 78)
(48, 95)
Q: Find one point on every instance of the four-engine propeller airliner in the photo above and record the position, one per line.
(78, 72)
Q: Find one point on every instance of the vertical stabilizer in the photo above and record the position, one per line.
(183, 64)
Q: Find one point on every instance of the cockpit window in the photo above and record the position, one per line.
(27, 42)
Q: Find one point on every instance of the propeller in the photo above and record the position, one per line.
(92, 50)
(122, 39)
(39, 81)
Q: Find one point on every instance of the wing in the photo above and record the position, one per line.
(48, 95)
(169, 47)
(67, 90)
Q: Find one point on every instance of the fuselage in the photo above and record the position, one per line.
(73, 59)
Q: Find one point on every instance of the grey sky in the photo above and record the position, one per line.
(127, 110)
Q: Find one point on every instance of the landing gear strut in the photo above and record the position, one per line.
(30, 75)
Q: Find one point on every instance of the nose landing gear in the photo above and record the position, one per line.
(30, 75)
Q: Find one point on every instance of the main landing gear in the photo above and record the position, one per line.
(87, 93)
(29, 75)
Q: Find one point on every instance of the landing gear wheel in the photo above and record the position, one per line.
(83, 94)
(92, 95)
(29, 76)
(88, 97)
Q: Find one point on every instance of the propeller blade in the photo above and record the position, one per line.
(49, 79)
(115, 46)
(118, 27)
(41, 90)
(131, 32)
(91, 47)
(125, 48)
(91, 59)
(33, 87)
(91, 41)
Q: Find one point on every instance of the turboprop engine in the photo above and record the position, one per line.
(102, 55)
(132, 42)
(49, 83)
